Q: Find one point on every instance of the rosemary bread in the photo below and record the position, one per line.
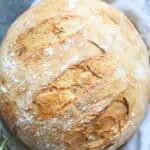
(74, 76)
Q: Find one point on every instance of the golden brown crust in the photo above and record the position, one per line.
(72, 84)
(29, 45)
(73, 79)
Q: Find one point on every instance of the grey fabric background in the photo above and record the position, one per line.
(9, 11)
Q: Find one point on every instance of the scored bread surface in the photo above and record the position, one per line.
(74, 76)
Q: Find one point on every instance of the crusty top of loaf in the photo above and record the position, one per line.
(73, 75)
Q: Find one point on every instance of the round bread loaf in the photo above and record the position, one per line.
(74, 76)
